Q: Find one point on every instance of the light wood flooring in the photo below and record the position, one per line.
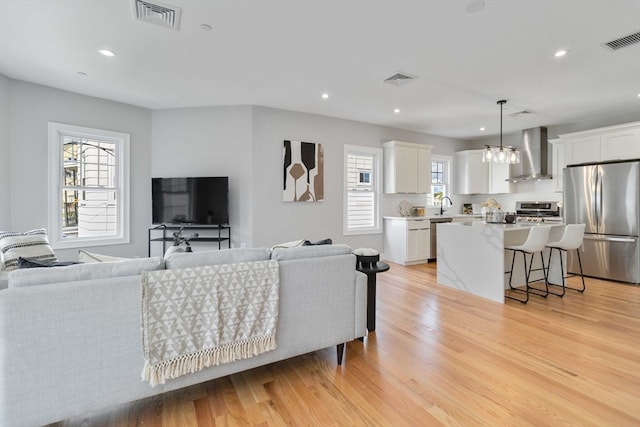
(439, 357)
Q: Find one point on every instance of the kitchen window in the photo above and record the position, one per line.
(440, 179)
(88, 186)
(362, 183)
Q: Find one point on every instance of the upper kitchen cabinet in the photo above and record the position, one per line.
(407, 167)
(473, 176)
(557, 157)
(621, 142)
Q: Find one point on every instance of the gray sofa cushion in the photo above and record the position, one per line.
(4, 279)
(86, 256)
(41, 276)
(227, 256)
(282, 254)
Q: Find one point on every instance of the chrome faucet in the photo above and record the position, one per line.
(442, 204)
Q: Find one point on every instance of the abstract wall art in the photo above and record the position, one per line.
(303, 172)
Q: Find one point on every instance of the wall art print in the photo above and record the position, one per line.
(303, 172)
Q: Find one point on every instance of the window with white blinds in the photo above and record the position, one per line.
(362, 189)
(88, 186)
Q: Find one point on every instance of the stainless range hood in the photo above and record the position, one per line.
(533, 156)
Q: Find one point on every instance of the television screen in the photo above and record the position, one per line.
(196, 200)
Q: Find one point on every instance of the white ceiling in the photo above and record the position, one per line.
(285, 53)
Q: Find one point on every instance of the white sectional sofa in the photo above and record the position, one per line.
(70, 337)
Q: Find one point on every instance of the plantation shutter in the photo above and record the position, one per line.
(361, 207)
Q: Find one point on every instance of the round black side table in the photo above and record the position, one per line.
(371, 267)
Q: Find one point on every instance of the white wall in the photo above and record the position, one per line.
(276, 221)
(209, 141)
(245, 143)
(31, 107)
(5, 182)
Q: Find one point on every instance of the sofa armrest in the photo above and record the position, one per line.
(361, 305)
(67, 348)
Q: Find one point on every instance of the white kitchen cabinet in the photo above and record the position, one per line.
(473, 176)
(424, 171)
(407, 167)
(621, 142)
(498, 178)
(584, 149)
(471, 173)
(407, 241)
(557, 158)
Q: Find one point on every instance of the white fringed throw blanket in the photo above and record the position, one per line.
(194, 318)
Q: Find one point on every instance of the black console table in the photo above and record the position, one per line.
(371, 269)
(223, 234)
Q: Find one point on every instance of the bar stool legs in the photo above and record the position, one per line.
(571, 239)
(565, 276)
(535, 243)
(527, 272)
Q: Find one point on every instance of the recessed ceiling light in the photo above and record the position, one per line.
(206, 27)
(396, 110)
(107, 52)
(325, 96)
(482, 128)
(560, 53)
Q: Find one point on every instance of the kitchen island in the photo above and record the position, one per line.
(472, 258)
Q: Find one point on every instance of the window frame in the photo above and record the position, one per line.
(448, 161)
(375, 186)
(57, 133)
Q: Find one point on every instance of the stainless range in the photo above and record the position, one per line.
(538, 212)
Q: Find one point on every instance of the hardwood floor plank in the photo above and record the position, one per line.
(438, 357)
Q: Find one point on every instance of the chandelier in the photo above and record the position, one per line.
(500, 154)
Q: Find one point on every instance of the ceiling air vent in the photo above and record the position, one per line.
(624, 41)
(400, 79)
(157, 13)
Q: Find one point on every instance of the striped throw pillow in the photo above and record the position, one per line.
(30, 244)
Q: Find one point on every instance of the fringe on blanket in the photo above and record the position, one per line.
(194, 362)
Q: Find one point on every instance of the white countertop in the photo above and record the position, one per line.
(505, 227)
(435, 216)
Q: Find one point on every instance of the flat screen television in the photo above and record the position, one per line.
(194, 200)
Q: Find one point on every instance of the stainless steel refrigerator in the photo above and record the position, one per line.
(606, 197)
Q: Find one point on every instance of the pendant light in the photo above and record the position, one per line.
(500, 154)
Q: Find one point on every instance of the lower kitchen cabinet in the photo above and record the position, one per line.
(407, 240)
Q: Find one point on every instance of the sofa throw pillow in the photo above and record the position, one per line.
(283, 254)
(36, 263)
(291, 244)
(32, 244)
(319, 242)
(86, 257)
